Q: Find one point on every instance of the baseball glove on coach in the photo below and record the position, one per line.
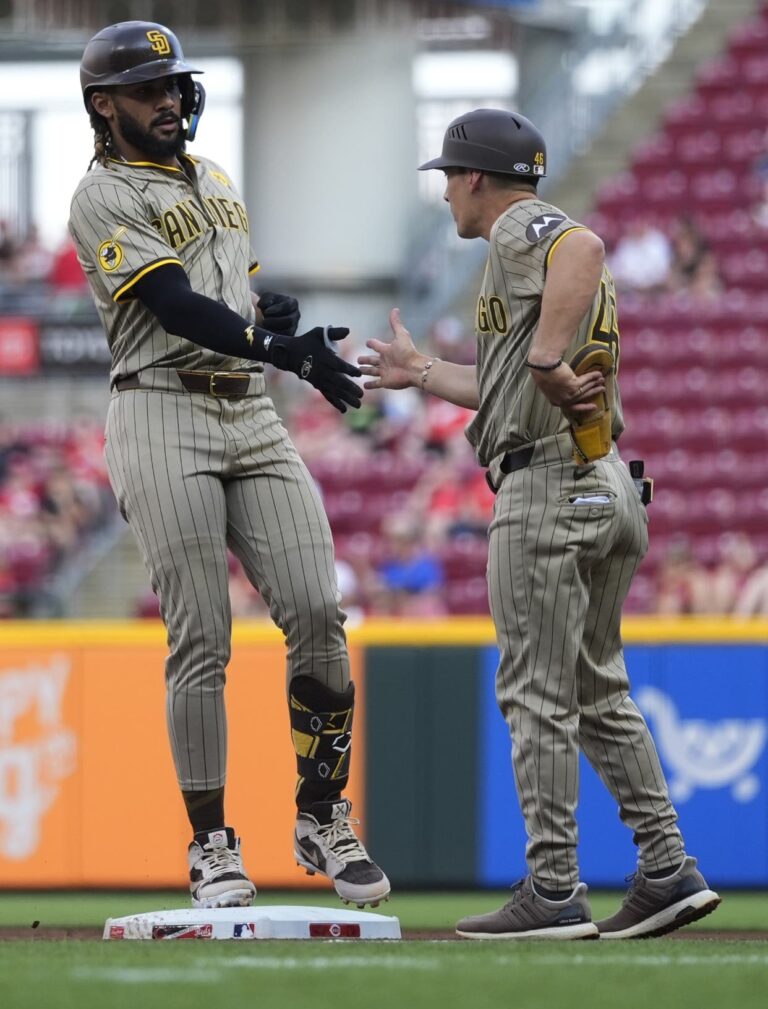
(592, 436)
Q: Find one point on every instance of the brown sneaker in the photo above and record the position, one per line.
(653, 907)
(528, 915)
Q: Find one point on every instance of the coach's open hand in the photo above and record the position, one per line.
(395, 364)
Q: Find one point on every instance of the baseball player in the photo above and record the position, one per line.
(568, 531)
(198, 458)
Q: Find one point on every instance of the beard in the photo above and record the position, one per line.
(144, 140)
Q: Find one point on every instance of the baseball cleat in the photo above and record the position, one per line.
(325, 843)
(654, 907)
(216, 874)
(528, 915)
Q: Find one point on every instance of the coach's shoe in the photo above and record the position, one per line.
(216, 874)
(528, 915)
(654, 907)
(325, 842)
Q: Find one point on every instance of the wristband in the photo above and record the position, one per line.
(544, 367)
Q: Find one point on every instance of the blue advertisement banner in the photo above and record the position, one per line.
(707, 706)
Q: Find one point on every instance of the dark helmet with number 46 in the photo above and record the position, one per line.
(135, 51)
(491, 140)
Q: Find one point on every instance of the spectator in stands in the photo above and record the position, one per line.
(681, 581)
(67, 276)
(453, 496)
(706, 284)
(7, 248)
(410, 579)
(63, 507)
(350, 591)
(752, 600)
(52, 495)
(689, 247)
(728, 579)
(642, 258)
(760, 175)
(32, 260)
(7, 586)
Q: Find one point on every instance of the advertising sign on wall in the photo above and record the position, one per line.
(88, 793)
(18, 346)
(707, 706)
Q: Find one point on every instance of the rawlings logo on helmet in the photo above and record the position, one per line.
(306, 367)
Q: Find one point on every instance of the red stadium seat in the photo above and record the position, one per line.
(468, 596)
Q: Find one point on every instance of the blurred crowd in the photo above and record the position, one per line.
(736, 584)
(408, 505)
(54, 494)
(649, 259)
(29, 266)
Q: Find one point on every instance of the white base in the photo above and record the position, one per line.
(254, 923)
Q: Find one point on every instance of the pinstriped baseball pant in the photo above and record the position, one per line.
(558, 575)
(194, 474)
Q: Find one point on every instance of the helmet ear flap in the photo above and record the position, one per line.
(192, 104)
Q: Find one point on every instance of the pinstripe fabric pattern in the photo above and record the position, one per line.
(558, 575)
(132, 217)
(512, 412)
(559, 571)
(192, 474)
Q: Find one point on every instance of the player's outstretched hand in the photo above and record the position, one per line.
(281, 312)
(313, 357)
(394, 365)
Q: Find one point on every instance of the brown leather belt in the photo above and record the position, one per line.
(224, 384)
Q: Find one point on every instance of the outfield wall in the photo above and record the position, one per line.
(88, 795)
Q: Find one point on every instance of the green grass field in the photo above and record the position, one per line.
(83, 974)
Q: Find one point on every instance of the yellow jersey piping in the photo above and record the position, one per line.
(147, 164)
(142, 273)
(559, 239)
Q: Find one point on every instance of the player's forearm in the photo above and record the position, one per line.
(572, 281)
(456, 383)
(168, 295)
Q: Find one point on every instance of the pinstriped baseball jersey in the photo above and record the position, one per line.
(132, 217)
(564, 544)
(194, 473)
(512, 411)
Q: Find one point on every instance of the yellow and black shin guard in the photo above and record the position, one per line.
(321, 726)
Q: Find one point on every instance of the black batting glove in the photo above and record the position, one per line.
(281, 313)
(312, 356)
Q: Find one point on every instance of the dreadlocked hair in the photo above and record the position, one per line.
(103, 145)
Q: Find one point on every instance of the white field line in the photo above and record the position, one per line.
(639, 959)
(145, 975)
(214, 973)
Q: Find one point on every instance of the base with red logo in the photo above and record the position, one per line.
(254, 923)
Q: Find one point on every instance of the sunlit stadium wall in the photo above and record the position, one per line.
(85, 767)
